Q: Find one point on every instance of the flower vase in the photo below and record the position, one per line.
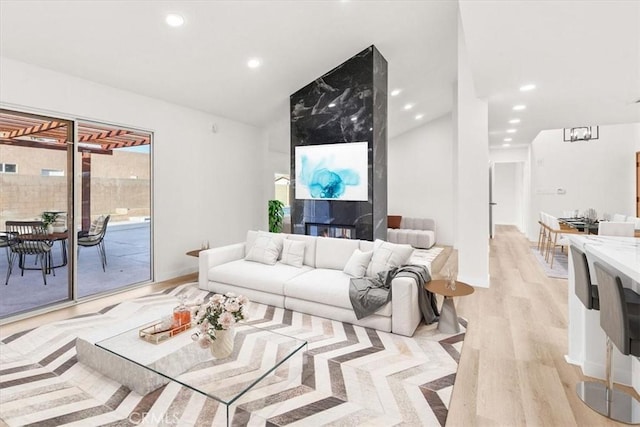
(222, 346)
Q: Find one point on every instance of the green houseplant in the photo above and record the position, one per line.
(276, 216)
(48, 218)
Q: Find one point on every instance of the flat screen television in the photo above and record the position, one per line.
(332, 172)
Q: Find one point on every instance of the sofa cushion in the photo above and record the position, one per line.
(418, 223)
(266, 249)
(309, 249)
(252, 235)
(386, 256)
(253, 275)
(292, 252)
(334, 253)
(251, 240)
(366, 245)
(325, 286)
(358, 263)
(423, 239)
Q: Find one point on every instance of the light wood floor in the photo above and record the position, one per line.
(512, 371)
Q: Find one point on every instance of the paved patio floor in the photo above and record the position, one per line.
(128, 262)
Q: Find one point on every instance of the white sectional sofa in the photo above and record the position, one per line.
(319, 286)
(417, 232)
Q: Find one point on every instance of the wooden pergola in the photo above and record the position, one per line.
(34, 131)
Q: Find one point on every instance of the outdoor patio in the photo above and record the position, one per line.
(128, 262)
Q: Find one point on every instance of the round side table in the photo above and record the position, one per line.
(448, 323)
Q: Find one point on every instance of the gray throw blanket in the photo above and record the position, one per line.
(368, 294)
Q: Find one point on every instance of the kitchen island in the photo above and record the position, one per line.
(587, 340)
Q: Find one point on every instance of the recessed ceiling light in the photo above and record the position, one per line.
(514, 121)
(332, 105)
(508, 140)
(253, 63)
(506, 145)
(512, 130)
(354, 118)
(395, 92)
(174, 20)
(408, 106)
(527, 87)
(419, 116)
(519, 107)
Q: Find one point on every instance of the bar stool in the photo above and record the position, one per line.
(623, 330)
(587, 293)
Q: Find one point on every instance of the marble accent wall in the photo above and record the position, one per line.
(347, 104)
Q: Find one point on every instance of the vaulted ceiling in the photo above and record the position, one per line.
(584, 56)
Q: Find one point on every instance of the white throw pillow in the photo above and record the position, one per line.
(386, 256)
(358, 263)
(266, 249)
(293, 252)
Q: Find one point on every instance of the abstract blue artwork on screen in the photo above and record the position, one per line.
(332, 171)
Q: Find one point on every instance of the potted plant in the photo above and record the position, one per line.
(276, 216)
(48, 218)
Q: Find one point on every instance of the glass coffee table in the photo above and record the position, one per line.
(256, 363)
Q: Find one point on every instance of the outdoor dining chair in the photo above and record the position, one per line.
(28, 238)
(95, 237)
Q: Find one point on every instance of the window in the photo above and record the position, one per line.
(51, 172)
(8, 168)
(282, 190)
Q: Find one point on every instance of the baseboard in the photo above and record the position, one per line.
(168, 275)
(571, 361)
(597, 370)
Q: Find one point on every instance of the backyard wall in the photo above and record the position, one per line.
(206, 185)
(120, 184)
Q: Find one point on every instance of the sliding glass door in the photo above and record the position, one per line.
(114, 240)
(75, 210)
(36, 154)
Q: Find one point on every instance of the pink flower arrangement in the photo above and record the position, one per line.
(221, 312)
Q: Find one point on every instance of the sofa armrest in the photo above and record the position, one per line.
(217, 256)
(405, 312)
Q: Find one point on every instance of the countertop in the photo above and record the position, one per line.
(621, 253)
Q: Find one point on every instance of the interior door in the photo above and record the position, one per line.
(491, 202)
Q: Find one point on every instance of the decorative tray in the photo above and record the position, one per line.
(156, 333)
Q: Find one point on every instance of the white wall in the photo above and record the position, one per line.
(599, 174)
(419, 175)
(472, 175)
(204, 182)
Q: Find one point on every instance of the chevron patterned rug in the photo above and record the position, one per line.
(349, 376)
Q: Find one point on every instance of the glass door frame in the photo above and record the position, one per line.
(78, 207)
(74, 202)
